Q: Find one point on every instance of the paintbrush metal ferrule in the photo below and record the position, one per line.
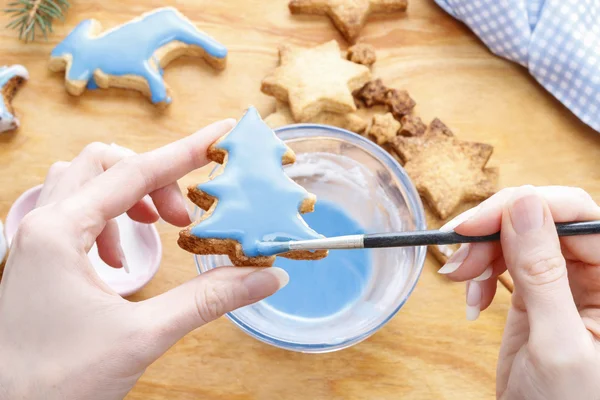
(340, 242)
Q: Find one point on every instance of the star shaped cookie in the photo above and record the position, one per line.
(283, 116)
(315, 80)
(384, 128)
(446, 171)
(348, 16)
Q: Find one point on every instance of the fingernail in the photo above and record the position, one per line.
(230, 121)
(527, 213)
(485, 275)
(265, 282)
(459, 219)
(473, 300)
(456, 260)
(191, 212)
(148, 200)
(122, 258)
(125, 265)
(149, 203)
(184, 204)
(124, 150)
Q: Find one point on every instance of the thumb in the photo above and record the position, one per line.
(173, 314)
(533, 257)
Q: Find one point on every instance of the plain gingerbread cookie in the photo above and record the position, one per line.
(315, 80)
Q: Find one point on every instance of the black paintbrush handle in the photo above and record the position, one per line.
(426, 238)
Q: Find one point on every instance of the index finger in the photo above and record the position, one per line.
(115, 191)
(567, 204)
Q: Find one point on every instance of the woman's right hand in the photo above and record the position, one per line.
(551, 347)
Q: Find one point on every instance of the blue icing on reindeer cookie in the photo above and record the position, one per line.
(256, 200)
(129, 49)
(8, 120)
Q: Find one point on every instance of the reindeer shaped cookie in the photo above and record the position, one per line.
(132, 55)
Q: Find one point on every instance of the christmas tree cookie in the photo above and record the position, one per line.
(250, 199)
(132, 55)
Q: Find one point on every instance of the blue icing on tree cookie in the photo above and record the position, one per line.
(129, 50)
(8, 120)
(256, 200)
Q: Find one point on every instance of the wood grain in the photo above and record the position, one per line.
(428, 350)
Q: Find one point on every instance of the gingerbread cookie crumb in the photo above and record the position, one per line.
(362, 53)
(412, 126)
(399, 102)
(372, 93)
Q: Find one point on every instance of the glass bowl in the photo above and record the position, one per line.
(370, 186)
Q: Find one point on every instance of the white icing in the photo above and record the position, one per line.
(8, 121)
(3, 245)
(16, 70)
(345, 181)
(329, 171)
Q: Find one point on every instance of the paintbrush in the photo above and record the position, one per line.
(408, 239)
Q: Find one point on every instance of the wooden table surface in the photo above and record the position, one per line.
(428, 351)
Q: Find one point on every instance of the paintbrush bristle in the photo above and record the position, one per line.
(273, 248)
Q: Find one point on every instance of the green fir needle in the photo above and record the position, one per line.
(31, 17)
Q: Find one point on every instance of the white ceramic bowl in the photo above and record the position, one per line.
(141, 245)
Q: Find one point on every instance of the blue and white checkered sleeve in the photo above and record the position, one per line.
(557, 40)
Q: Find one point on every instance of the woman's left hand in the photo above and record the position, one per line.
(66, 333)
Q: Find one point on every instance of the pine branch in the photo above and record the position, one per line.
(35, 16)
